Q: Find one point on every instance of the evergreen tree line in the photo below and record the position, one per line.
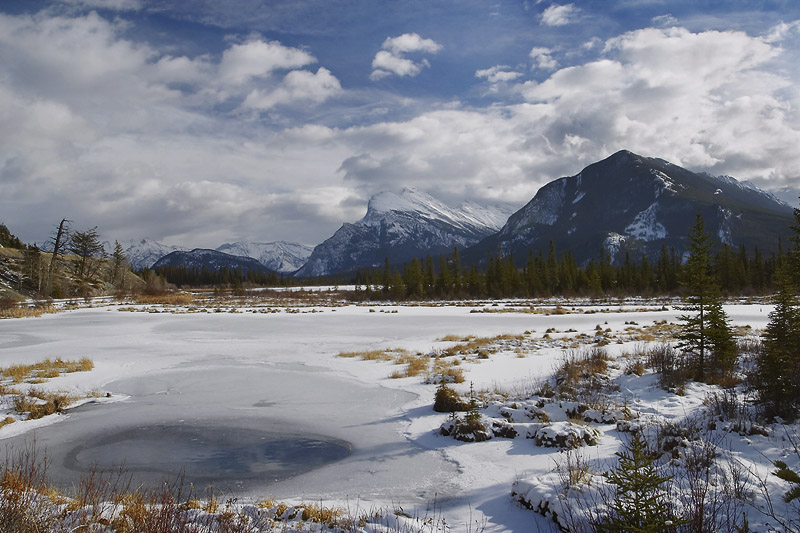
(8, 240)
(181, 275)
(733, 270)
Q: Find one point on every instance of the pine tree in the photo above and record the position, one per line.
(640, 504)
(705, 333)
(86, 245)
(778, 365)
(118, 264)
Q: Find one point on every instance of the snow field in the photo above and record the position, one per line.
(164, 367)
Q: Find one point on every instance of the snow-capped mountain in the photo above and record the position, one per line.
(280, 256)
(635, 204)
(400, 227)
(211, 259)
(145, 252)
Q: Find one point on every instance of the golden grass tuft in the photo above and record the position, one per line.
(39, 404)
(577, 365)
(448, 369)
(24, 311)
(329, 516)
(172, 298)
(415, 365)
(46, 369)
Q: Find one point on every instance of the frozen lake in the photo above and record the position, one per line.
(259, 405)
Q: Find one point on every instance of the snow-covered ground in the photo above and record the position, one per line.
(279, 373)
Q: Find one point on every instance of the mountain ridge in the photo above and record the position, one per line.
(400, 227)
(635, 204)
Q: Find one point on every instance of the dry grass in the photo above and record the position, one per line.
(46, 369)
(374, 355)
(580, 365)
(477, 345)
(455, 338)
(100, 502)
(448, 369)
(171, 298)
(24, 311)
(415, 365)
(38, 404)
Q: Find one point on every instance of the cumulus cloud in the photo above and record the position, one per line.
(701, 99)
(498, 74)
(257, 58)
(126, 136)
(706, 100)
(114, 133)
(542, 58)
(385, 64)
(410, 42)
(299, 86)
(391, 59)
(558, 15)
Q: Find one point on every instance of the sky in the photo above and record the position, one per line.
(201, 122)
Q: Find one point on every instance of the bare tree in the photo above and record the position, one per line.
(59, 243)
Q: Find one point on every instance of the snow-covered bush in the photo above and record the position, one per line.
(563, 435)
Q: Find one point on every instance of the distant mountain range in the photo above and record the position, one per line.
(200, 258)
(401, 227)
(145, 252)
(280, 256)
(635, 204)
(626, 204)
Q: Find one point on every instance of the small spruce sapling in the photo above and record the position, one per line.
(787, 474)
(640, 503)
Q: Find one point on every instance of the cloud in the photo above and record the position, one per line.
(386, 64)
(410, 42)
(391, 59)
(498, 74)
(557, 15)
(783, 30)
(257, 58)
(706, 100)
(132, 137)
(115, 5)
(299, 86)
(664, 21)
(542, 58)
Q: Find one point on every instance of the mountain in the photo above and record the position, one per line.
(200, 258)
(635, 204)
(144, 253)
(279, 256)
(402, 227)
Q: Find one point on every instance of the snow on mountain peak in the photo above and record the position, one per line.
(418, 203)
(280, 256)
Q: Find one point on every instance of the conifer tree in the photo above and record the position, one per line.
(705, 333)
(118, 264)
(778, 364)
(86, 245)
(640, 504)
